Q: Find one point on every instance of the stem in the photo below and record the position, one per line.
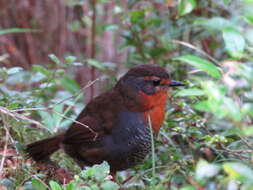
(93, 44)
(152, 146)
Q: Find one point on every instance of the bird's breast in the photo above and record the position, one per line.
(130, 140)
(155, 108)
(156, 116)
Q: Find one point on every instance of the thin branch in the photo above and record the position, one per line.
(194, 183)
(34, 176)
(90, 83)
(216, 62)
(7, 138)
(4, 153)
(240, 151)
(15, 115)
(75, 121)
(152, 145)
(18, 116)
(93, 43)
(246, 143)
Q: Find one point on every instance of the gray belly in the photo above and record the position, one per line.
(130, 141)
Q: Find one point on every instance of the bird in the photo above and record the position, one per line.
(115, 126)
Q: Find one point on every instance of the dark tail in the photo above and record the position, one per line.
(41, 150)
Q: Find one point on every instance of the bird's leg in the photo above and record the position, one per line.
(126, 180)
(63, 175)
(113, 174)
(53, 170)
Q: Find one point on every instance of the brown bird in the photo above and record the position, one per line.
(114, 126)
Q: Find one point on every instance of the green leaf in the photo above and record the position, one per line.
(234, 42)
(7, 183)
(109, 185)
(13, 106)
(54, 185)
(188, 187)
(117, 9)
(226, 1)
(190, 92)
(93, 187)
(201, 64)
(248, 1)
(71, 186)
(239, 172)
(247, 130)
(54, 58)
(70, 84)
(111, 27)
(232, 108)
(137, 16)
(70, 59)
(41, 70)
(38, 185)
(58, 118)
(17, 30)
(88, 172)
(186, 6)
(46, 85)
(206, 170)
(249, 36)
(249, 18)
(96, 64)
(101, 171)
(215, 23)
(14, 70)
(47, 120)
(202, 106)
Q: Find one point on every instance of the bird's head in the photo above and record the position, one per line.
(148, 84)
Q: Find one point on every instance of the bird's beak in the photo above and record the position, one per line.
(175, 83)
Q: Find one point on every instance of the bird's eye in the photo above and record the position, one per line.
(156, 82)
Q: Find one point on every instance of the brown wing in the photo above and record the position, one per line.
(98, 117)
(86, 129)
(81, 141)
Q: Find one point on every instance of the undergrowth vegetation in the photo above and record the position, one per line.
(206, 142)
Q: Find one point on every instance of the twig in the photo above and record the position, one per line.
(216, 62)
(75, 121)
(236, 151)
(19, 116)
(7, 137)
(4, 154)
(69, 107)
(14, 114)
(90, 83)
(194, 71)
(36, 177)
(191, 181)
(152, 145)
(93, 43)
(194, 183)
(4, 57)
(246, 143)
